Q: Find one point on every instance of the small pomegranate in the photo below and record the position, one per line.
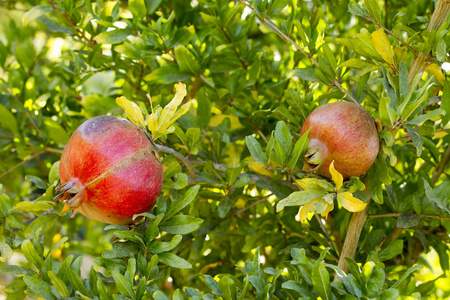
(108, 171)
(343, 132)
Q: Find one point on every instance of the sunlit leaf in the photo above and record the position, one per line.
(350, 203)
(336, 176)
(132, 111)
(383, 46)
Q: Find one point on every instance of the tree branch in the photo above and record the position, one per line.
(396, 215)
(285, 37)
(440, 168)
(179, 156)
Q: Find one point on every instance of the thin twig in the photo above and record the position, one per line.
(396, 215)
(19, 164)
(285, 37)
(253, 204)
(440, 168)
(327, 235)
(207, 81)
(179, 156)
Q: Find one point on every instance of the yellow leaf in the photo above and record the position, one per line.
(306, 209)
(439, 134)
(132, 111)
(159, 122)
(327, 211)
(435, 70)
(314, 183)
(383, 46)
(170, 109)
(350, 203)
(336, 176)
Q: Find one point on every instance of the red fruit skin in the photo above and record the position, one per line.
(343, 132)
(113, 161)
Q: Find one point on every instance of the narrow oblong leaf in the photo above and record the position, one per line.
(350, 203)
(174, 261)
(112, 37)
(178, 205)
(300, 198)
(255, 149)
(58, 284)
(383, 46)
(123, 285)
(132, 111)
(416, 139)
(336, 176)
(299, 148)
(321, 281)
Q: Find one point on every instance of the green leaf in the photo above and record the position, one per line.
(167, 74)
(280, 154)
(228, 288)
(178, 205)
(36, 206)
(300, 288)
(445, 102)
(53, 175)
(406, 274)
(5, 252)
(58, 244)
(123, 285)
(174, 261)
(73, 278)
(54, 25)
(392, 249)
(181, 224)
(152, 5)
(433, 199)
(321, 281)
(203, 108)
(186, 60)
(158, 295)
(308, 74)
(441, 50)
(31, 254)
(39, 287)
(157, 247)
(8, 121)
(387, 114)
(301, 198)
(35, 13)
(373, 10)
(390, 294)
(255, 149)
(407, 220)
(356, 9)
(37, 181)
(58, 284)
(137, 8)
(152, 230)
(112, 37)
(375, 282)
(422, 118)
(283, 134)
(403, 80)
(416, 139)
(212, 285)
(299, 149)
(356, 63)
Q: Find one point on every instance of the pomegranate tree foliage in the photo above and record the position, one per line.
(253, 71)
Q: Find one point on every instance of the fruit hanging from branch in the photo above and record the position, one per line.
(109, 172)
(342, 132)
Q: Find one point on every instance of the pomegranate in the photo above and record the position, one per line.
(343, 132)
(108, 171)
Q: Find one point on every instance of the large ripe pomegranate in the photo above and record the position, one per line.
(109, 172)
(343, 132)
